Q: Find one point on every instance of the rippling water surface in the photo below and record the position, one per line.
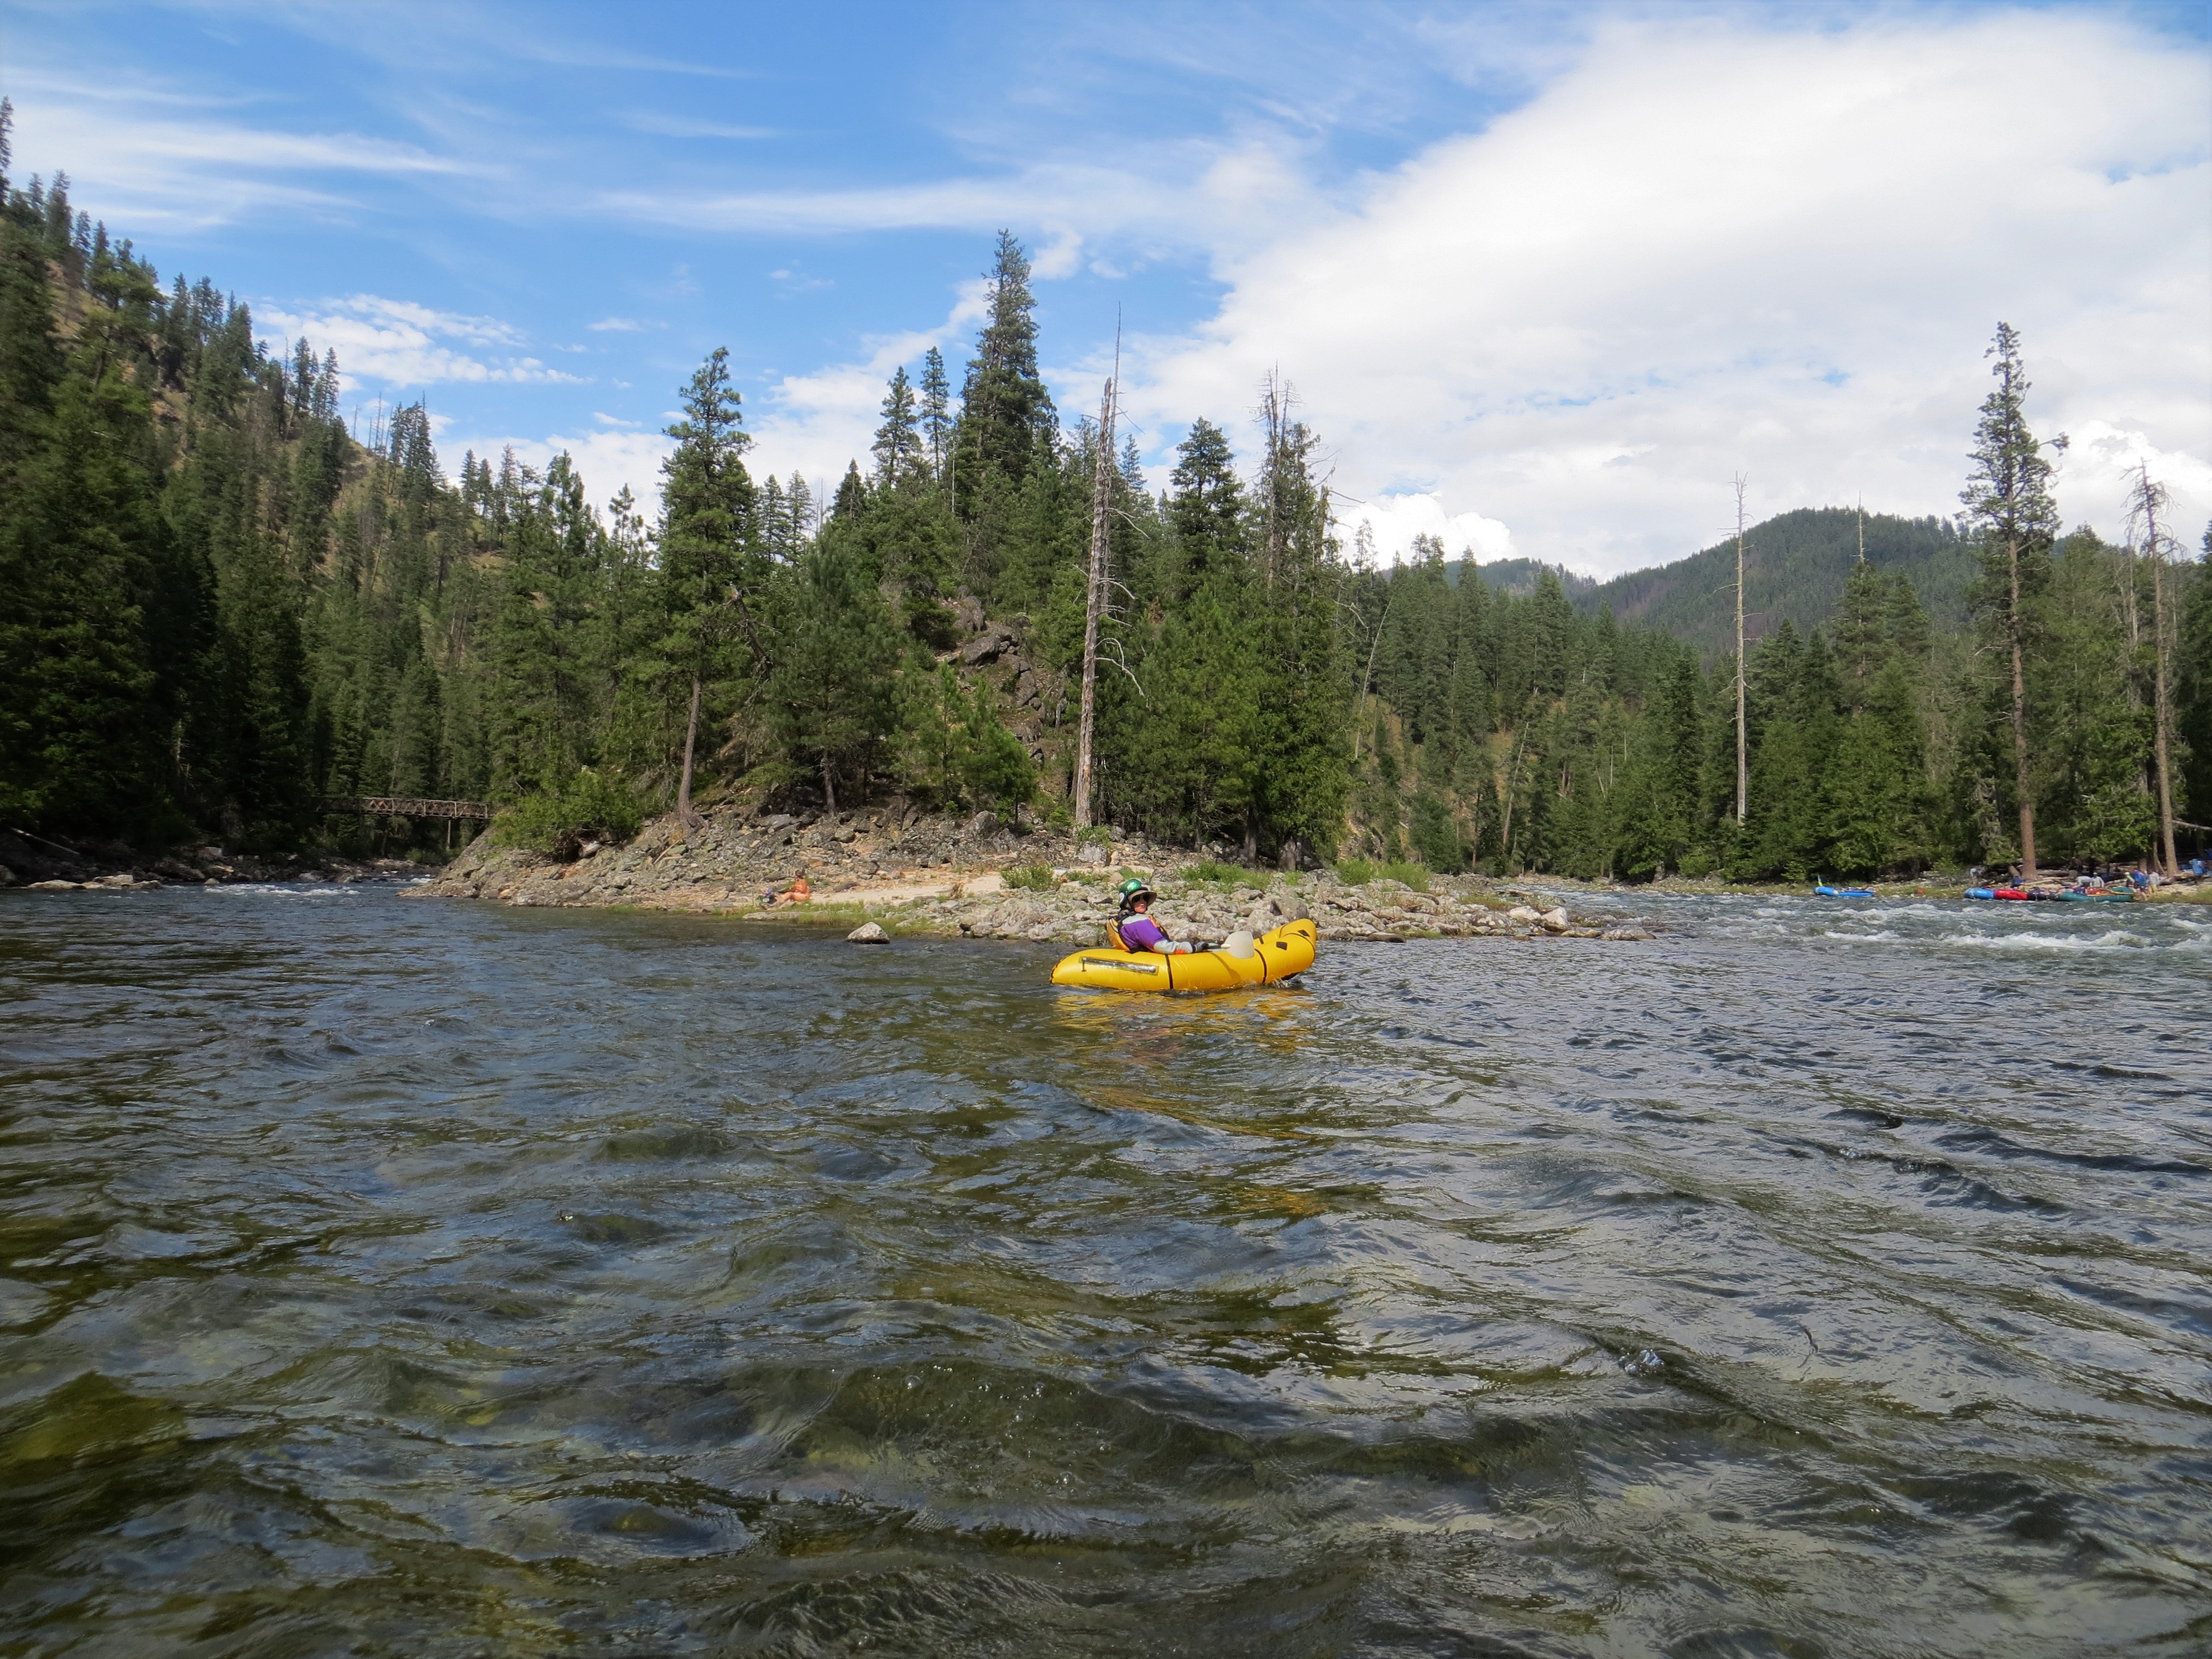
(400, 1277)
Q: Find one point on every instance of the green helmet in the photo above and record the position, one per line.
(1132, 889)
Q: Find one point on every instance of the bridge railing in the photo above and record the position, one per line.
(407, 806)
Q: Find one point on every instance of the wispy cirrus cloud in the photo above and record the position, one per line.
(1200, 196)
(193, 161)
(400, 345)
(676, 126)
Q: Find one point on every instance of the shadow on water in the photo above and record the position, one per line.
(390, 1277)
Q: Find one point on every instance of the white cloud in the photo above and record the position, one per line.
(400, 345)
(1392, 521)
(616, 326)
(1058, 258)
(2101, 465)
(1708, 249)
(607, 461)
(817, 424)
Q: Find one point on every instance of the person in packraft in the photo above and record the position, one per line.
(1138, 930)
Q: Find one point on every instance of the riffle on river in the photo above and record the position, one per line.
(411, 1278)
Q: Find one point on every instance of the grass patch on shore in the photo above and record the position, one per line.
(1358, 872)
(1215, 871)
(1028, 877)
(2177, 896)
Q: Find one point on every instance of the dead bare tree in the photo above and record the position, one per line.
(2146, 501)
(1102, 494)
(1742, 740)
(1275, 399)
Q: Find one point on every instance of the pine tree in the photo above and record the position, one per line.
(2192, 669)
(1006, 414)
(1006, 444)
(710, 563)
(2008, 497)
(1860, 632)
(898, 448)
(1205, 510)
(831, 690)
(936, 412)
(2150, 512)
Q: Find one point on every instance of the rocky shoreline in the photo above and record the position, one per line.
(913, 872)
(910, 873)
(41, 865)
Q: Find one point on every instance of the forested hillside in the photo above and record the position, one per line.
(1519, 577)
(218, 609)
(1797, 567)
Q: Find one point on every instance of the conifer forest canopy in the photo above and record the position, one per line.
(219, 608)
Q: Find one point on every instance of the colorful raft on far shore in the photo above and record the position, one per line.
(2055, 894)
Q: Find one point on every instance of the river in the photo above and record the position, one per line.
(382, 1276)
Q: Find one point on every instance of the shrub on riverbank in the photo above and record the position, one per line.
(591, 807)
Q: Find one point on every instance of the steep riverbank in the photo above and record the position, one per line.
(980, 878)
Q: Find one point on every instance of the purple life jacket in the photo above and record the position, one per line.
(1141, 932)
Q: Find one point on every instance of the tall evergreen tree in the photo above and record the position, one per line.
(711, 565)
(830, 691)
(898, 448)
(936, 412)
(1006, 414)
(2008, 497)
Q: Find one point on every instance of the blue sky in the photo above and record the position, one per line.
(1544, 276)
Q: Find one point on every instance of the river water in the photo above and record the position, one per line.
(387, 1276)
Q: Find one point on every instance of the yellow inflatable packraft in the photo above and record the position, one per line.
(1275, 956)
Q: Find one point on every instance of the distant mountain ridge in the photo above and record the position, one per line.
(1518, 576)
(1797, 565)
